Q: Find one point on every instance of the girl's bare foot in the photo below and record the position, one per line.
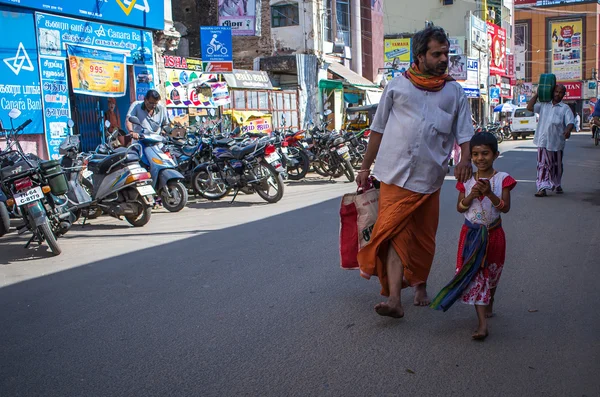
(480, 334)
(421, 298)
(489, 311)
(391, 308)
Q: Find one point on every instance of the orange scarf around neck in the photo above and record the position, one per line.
(425, 81)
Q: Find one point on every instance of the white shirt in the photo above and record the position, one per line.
(554, 120)
(150, 123)
(419, 130)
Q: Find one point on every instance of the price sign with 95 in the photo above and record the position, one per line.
(96, 69)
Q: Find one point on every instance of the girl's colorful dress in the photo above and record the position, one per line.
(482, 212)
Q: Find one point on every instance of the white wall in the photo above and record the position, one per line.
(303, 38)
(409, 16)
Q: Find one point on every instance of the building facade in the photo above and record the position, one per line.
(560, 37)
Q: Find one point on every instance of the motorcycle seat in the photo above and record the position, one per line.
(12, 172)
(100, 164)
(255, 134)
(240, 152)
(223, 142)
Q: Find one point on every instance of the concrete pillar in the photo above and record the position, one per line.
(355, 27)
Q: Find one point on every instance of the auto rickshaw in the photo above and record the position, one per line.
(359, 118)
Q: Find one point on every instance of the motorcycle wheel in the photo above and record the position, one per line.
(89, 212)
(597, 138)
(47, 234)
(274, 180)
(4, 219)
(349, 170)
(499, 137)
(143, 217)
(300, 171)
(174, 196)
(334, 172)
(201, 183)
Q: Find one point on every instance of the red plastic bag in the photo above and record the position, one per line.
(358, 213)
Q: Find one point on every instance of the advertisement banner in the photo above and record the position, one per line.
(478, 37)
(142, 13)
(180, 86)
(239, 15)
(144, 81)
(542, 3)
(97, 72)
(574, 89)
(220, 93)
(566, 48)
(262, 125)
(19, 71)
(457, 67)
(397, 56)
(521, 40)
(471, 84)
(496, 41)
(589, 89)
(457, 45)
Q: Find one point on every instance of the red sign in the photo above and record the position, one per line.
(574, 90)
(174, 62)
(218, 67)
(523, 2)
(510, 62)
(497, 48)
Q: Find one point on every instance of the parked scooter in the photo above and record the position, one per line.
(167, 180)
(120, 186)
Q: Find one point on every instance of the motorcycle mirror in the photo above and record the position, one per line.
(203, 119)
(107, 123)
(71, 123)
(197, 118)
(134, 120)
(212, 112)
(14, 113)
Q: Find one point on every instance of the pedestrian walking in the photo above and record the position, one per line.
(577, 122)
(554, 128)
(482, 244)
(421, 114)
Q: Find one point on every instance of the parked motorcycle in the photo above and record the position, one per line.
(255, 167)
(34, 191)
(165, 176)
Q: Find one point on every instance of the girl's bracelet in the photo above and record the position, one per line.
(500, 204)
(462, 206)
(363, 171)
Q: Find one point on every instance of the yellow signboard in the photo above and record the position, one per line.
(397, 55)
(97, 72)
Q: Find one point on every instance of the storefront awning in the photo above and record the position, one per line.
(352, 78)
(331, 84)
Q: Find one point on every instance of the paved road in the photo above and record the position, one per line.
(248, 299)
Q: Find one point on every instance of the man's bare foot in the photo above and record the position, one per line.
(391, 308)
(421, 298)
(480, 334)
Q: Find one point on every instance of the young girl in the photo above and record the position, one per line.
(482, 244)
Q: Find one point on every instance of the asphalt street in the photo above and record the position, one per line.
(248, 299)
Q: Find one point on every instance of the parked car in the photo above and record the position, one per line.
(523, 123)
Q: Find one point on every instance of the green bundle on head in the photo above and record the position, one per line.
(546, 87)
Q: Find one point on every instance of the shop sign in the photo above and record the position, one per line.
(181, 88)
(183, 63)
(142, 13)
(478, 37)
(249, 79)
(541, 3)
(55, 31)
(217, 67)
(457, 68)
(505, 87)
(457, 45)
(589, 89)
(262, 125)
(510, 64)
(566, 49)
(97, 72)
(574, 89)
(496, 37)
(470, 85)
(471, 92)
(239, 16)
(19, 72)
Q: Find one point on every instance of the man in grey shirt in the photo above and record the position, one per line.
(422, 113)
(554, 128)
(152, 115)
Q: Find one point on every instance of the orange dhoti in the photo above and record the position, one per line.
(408, 221)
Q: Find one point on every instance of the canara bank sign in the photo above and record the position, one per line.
(142, 13)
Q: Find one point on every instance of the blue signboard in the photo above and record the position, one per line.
(471, 92)
(19, 71)
(142, 13)
(495, 93)
(54, 32)
(216, 43)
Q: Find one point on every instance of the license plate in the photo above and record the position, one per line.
(284, 150)
(304, 145)
(524, 121)
(145, 190)
(29, 196)
(342, 150)
(87, 173)
(272, 158)
(345, 156)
